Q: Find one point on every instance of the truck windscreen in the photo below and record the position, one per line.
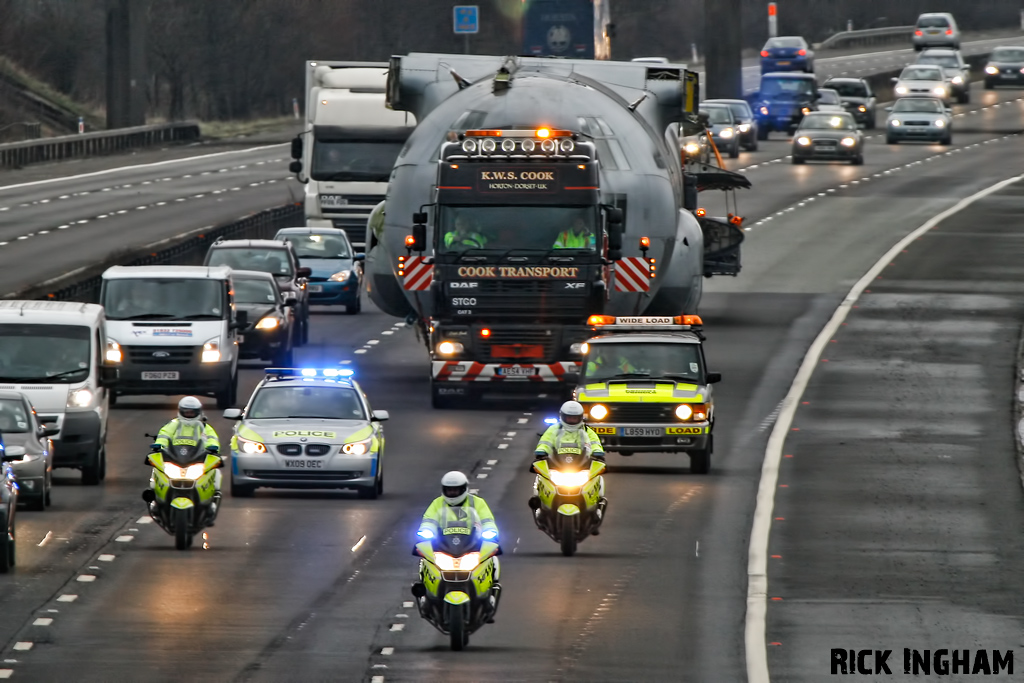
(44, 353)
(503, 228)
(164, 299)
(355, 160)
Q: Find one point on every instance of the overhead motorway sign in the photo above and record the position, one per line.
(467, 19)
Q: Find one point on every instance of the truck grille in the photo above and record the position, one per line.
(536, 345)
(162, 355)
(641, 412)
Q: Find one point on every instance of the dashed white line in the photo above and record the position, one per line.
(144, 520)
(397, 627)
(124, 539)
(408, 603)
(6, 673)
(359, 544)
(387, 651)
(502, 446)
(46, 539)
(23, 646)
(492, 462)
(86, 578)
(106, 557)
(42, 621)
(482, 475)
(360, 350)
(67, 598)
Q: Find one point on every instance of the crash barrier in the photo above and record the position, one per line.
(869, 36)
(21, 130)
(184, 250)
(18, 154)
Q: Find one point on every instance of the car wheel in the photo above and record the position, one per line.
(890, 140)
(870, 123)
(368, 492)
(91, 474)
(762, 134)
(352, 309)
(797, 161)
(112, 398)
(37, 503)
(752, 145)
(49, 490)
(734, 151)
(227, 396)
(700, 461)
(305, 329)
(948, 140)
(989, 85)
(964, 98)
(857, 160)
(241, 490)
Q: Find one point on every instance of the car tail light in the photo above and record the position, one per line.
(802, 53)
(918, 32)
(949, 31)
(765, 53)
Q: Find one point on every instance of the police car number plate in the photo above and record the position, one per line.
(305, 464)
(160, 375)
(642, 431)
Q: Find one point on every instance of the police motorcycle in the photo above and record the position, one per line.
(459, 568)
(182, 497)
(567, 504)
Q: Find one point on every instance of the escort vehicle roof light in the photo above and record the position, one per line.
(613, 323)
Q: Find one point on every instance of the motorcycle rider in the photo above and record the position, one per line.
(455, 494)
(571, 430)
(190, 424)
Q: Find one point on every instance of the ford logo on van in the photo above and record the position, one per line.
(161, 354)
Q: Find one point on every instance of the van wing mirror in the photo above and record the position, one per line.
(108, 375)
(49, 431)
(241, 320)
(297, 149)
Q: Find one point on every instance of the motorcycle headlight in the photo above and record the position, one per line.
(572, 479)
(113, 354)
(848, 142)
(598, 412)
(80, 398)
(684, 412)
(340, 276)
(251, 447)
(991, 70)
(211, 351)
(803, 141)
(357, 448)
(195, 471)
(173, 471)
(447, 563)
(268, 323)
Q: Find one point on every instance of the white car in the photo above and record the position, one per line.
(829, 100)
(923, 80)
(919, 118)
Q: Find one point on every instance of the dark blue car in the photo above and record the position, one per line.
(337, 270)
(789, 53)
(782, 102)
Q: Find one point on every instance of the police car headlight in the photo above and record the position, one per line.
(211, 351)
(113, 354)
(250, 447)
(80, 398)
(598, 412)
(448, 348)
(357, 448)
(572, 479)
(340, 276)
(268, 323)
(684, 412)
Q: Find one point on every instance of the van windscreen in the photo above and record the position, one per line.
(52, 354)
(164, 299)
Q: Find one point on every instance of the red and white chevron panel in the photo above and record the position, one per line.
(470, 371)
(632, 274)
(418, 274)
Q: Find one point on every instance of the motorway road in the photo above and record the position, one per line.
(286, 591)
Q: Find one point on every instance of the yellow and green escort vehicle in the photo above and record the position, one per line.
(645, 386)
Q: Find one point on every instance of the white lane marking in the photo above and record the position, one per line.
(401, 616)
(106, 557)
(397, 627)
(124, 539)
(46, 539)
(23, 646)
(474, 492)
(67, 598)
(6, 673)
(373, 341)
(359, 544)
(386, 651)
(511, 434)
(408, 603)
(377, 679)
(387, 332)
(144, 520)
(43, 621)
(522, 420)
(360, 350)
(755, 642)
(136, 167)
(697, 551)
(502, 446)
(492, 462)
(482, 475)
(86, 578)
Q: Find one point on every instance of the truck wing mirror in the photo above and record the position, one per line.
(419, 218)
(297, 149)
(418, 241)
(295, 167)
(615, 237)
(614, 254)
(614, 216)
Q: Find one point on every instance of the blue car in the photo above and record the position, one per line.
(337, 276)
(789, 53)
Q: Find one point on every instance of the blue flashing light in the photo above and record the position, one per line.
(426, 534)
(550, 420)
(308, 372)
(490, 534)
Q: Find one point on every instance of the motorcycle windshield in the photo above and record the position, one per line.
(460, 531)
(569, 458)
(185, 451)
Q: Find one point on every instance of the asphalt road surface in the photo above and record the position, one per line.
(314, 586)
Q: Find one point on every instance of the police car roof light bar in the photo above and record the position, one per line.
(310, 372)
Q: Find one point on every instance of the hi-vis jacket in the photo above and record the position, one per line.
(175, 432)
(555, 437)
(432, 518)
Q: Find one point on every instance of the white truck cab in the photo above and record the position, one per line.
(349, 147)
(53, 352)
(172, 330)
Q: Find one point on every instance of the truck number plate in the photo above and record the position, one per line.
(160, 375)
(642, 431)
(332, 201)
(516, 372)
(305, 464)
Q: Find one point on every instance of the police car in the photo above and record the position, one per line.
(310, 429)
(645, 386)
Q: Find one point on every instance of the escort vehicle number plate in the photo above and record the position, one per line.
(160, 375)
(642, 431)
(305, 464)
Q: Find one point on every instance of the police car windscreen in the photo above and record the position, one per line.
(13, 416)
(358, 160)
(54, 354)
(170, 299)
(530, 228)
(312, 402)
(679, 362)
(273, 261)
(319, 246)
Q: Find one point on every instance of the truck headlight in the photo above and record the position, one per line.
(250, 447)
(598, 412)
(357, 448)
(268, 323)
(340, 276)
(80, 398)
(113, 354)
(449, 348)
(211, 351)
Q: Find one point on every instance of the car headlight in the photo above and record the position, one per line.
(340, 276)
(939, 123)
(726, 133)
(268, 323)
(895, 123)
(572, 479)
(80, 398)
(764, 111)
(447, 563)
(993, 70)
(211, 351)
(692, 148)
(901, 90)
(803, 140)
(684, 412)
(957, 80)
(862, 108)
(598, 412)
(449, 348)
(848, 142)
(250, 447)
(357, 448)
(940, 91)
(744, 127)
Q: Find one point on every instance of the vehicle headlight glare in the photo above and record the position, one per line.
(571, 479)
(764, 111)
(993, 70)
(195, 471)
(251, 447)
(449, 348)
(848, 142)
(357, 448)
(268, 323)
(895, 123)
(211, 351)
(598, 412)
(957, 80)
(584, 348)
(340, 276)
(744, 127)
(113, 354)
(901, 90)
(447, 563)
(726, 133)
(806, 110)
(940, 91)
(862, 108)
(692, 148)
(684, 412)
(939, 123)
(80, 398)
(173, 471)
(803, 141)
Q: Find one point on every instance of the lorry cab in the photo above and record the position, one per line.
(172, 330)
(53, 352)
(645, 386)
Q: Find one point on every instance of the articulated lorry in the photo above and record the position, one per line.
(349, 145)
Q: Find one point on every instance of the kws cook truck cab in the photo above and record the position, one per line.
(521, 258)
(645, 386)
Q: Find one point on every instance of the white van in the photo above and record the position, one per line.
(53, 351)
(171, 330)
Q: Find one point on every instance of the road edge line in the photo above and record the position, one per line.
(755, 644)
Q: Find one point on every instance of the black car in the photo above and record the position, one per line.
(1005, 67)
(783, 100)
(745, 121)
(829, 136)
(269, 256)
(8, 506)
(269, 334)
(857, 98)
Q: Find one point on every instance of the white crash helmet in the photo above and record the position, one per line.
(454, 487)
(190, 410)
(571, 415)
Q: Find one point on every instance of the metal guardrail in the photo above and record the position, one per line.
(190, 249)
(18, 154)
(868, 36)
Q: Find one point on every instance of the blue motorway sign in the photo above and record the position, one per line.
(467, 19)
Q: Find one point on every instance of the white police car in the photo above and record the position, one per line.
(307, 429)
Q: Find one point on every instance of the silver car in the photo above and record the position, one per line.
(936, 29)
(307, 429)
(829, 100)
(922, 80)
(919, 118)
(27, 448)
(955, 69)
